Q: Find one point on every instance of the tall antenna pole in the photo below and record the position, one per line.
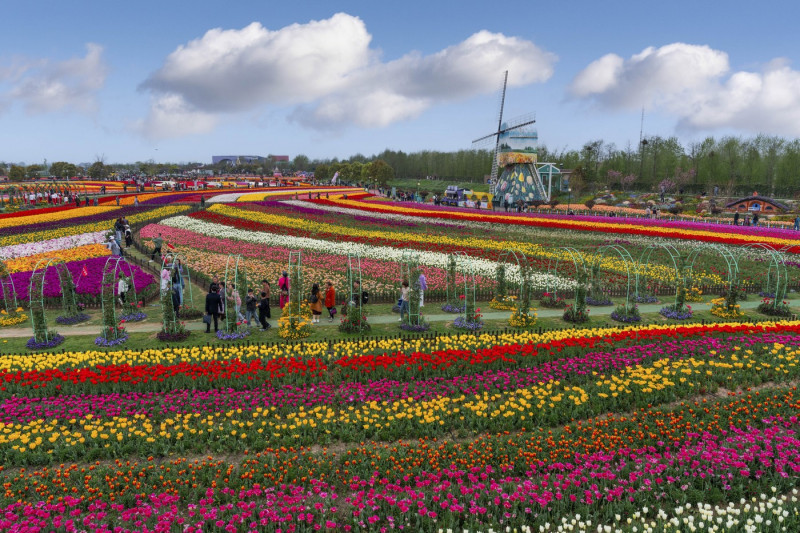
(641, 147)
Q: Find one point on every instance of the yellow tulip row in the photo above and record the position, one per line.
(263, 195)
(161, 212)
(530, 403)
(87, 251)
(57, 215)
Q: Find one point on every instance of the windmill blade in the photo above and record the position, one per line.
(479, 139)
(520, 121)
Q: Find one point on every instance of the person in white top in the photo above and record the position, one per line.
(122, 289)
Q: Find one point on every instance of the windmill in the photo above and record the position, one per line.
(515, 151)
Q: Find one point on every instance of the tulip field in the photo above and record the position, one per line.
(659, 424)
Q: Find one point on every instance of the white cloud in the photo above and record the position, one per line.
(170, 116)
(694, 84)
(327, 71)
(42, 86)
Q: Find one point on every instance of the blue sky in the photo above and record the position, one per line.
(82, 80)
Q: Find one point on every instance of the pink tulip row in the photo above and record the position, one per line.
(479, 496)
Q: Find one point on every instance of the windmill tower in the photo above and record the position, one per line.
(515, 154)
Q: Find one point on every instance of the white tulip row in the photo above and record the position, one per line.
(482, 267)
(764, 513)
(226, 197)
(52, 245)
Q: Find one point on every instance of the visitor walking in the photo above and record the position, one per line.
(214, 283)
(315, 302)
(264, 311)
(755, 219)
(128, 237)
(250, 306)
(237, 302)
(177, 280)
(213, 309)
(797, 223)
(114, 247)
(330, 300)
(157, 242)
(122, 289)
(136, 201)
(165, 279)
(736, 219)
(405, 292)
(423, 286)
(283, 286)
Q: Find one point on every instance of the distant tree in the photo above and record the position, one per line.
(381, 171)
(16, 173)
(613, 177)
(100, 171)
(32, 171)
(300, 162)
(323, 172)
(627, 180)
(62, 169)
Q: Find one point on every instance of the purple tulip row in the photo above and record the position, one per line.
(86, 285)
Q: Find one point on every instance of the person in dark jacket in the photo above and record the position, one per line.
(213, 307)
(264, 311)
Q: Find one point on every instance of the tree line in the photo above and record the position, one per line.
(734, 165)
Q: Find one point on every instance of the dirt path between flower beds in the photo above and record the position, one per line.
(197, 325)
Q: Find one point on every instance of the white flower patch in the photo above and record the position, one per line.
(52, 245)
(227, 197)
(482, 267)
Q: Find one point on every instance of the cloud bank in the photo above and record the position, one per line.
(695, 84)
(328, 74)
(42, 86)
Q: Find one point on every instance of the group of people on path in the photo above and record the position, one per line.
(747, 220)
(122, 233)
(257, 303)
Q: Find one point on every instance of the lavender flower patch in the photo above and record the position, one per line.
(74, 319)
(461, 323)
(52, 343)
(102, 341)
(236, 335)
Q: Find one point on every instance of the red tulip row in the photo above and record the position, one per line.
(260, 370)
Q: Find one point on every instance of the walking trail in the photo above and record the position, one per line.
(198, 325)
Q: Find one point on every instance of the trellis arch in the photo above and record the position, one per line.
(235, 280)
(108, 295)
(356, 296)
(626, 259)
(643, 267)
(777, 274)
(515, 256)
(36, 285)
(727, 256)
(8, 290)
(169, 260)
(410, 270)
(552, 268)
(465, 266)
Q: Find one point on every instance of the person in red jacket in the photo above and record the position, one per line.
(330, 300)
